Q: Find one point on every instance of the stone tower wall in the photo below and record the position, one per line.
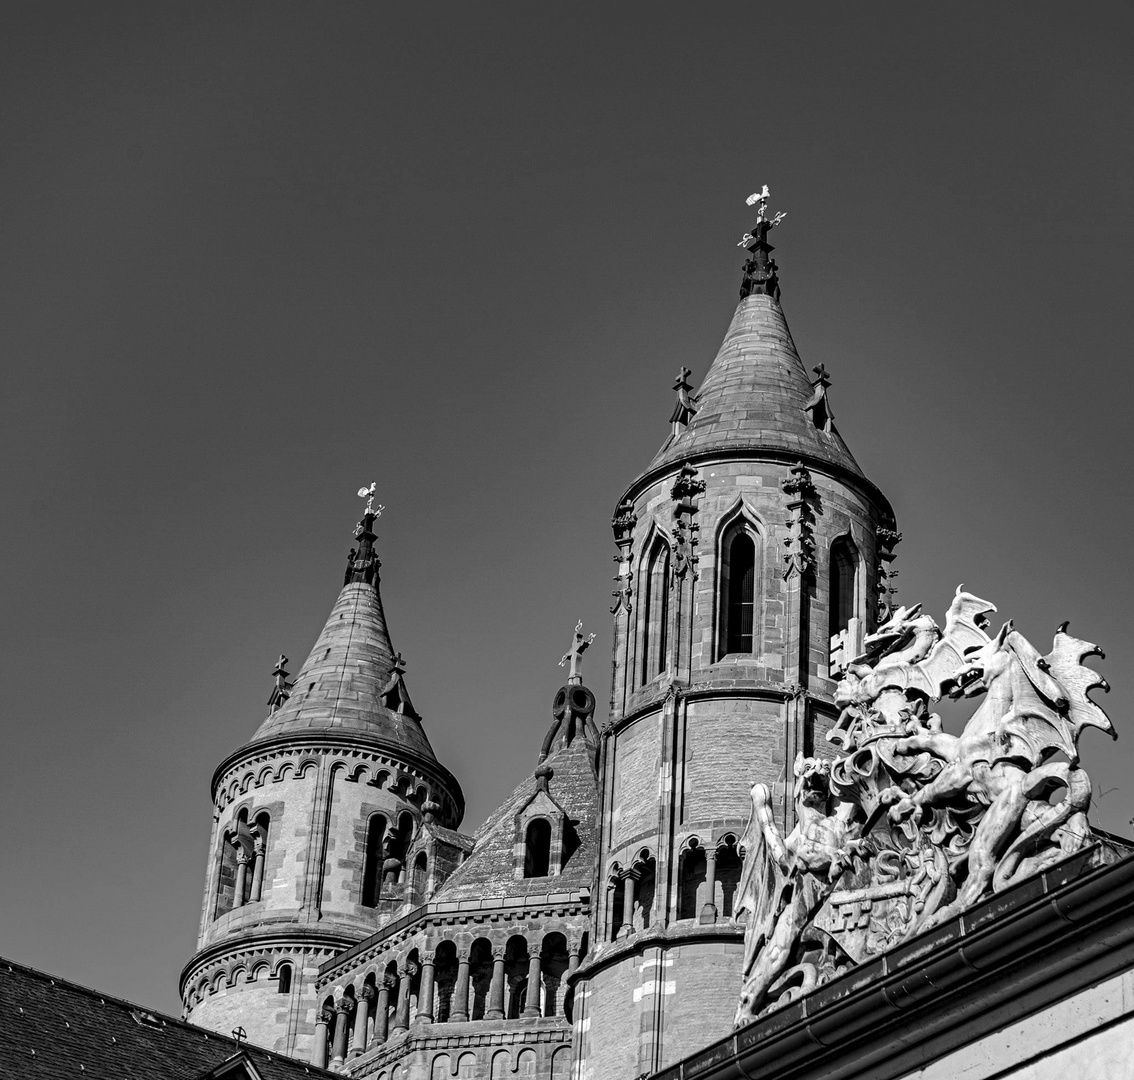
(685, 743)
(319, 801)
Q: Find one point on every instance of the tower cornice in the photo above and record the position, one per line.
(333, 740)
(750, 450)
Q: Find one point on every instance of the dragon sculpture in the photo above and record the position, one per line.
(909, 825)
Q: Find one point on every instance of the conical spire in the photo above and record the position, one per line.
(352, 681)
(756, 395)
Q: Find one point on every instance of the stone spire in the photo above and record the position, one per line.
(757, 395)
(353, 680)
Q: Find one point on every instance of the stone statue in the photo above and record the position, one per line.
(909, 824)
(786, 879)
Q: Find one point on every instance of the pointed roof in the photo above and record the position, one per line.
(568, 779)
(352, 681)
(757, 397)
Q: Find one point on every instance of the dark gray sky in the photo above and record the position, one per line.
(256, 256)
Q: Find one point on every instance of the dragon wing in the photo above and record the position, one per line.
(1065, 663)
(964, 623)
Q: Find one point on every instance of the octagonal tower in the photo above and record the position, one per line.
(317, 838)
(752, 552)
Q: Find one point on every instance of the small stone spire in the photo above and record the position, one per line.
(363, 563)
(282, 690)
(575, 655)
(818, 405)
(683, 410)
(395, 696)
(760, 270)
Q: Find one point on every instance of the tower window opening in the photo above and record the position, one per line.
(372, 861)
(738, 592)
(655, 631)
(284, 984)
(844, 574)
(537, 848)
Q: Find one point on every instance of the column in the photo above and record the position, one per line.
(425, 990)
(494, 1009)
(573, 957)
(382, 1010)
(323, 1021)
(627, 927)
(532, 1003)
(242, 861)
(459, 1013)
(401, 1010)
(343, 1008)
(550, 994)
(709, 908)
(257, 868)
(366, 995)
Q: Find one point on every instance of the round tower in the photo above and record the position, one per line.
(752, 552)
(314, 821)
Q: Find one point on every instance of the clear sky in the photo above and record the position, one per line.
(256, 256)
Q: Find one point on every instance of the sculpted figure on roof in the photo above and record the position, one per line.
(909, 825)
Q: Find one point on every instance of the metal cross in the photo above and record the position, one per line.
(575, 654)
(367, 493)
(239, 1034)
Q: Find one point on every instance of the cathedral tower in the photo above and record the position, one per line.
(317, 825)
(752, 552)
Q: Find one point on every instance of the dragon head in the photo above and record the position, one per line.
(982, 664)
(812, 781)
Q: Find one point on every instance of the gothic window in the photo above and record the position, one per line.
(372, 861)
(739, 553)
(655, 630)
(537, 848)
(843, 592)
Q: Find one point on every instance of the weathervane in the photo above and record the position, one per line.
(575, 653)
(760, 271)
(759, 199)
(367, 493)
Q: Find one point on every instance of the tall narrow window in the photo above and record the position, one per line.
(844, 584)
(372, 861)
(537, 848)
(741, 596)
(655, 632)
(284, 984)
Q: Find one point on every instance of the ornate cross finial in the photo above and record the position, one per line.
(282, 690)
(575, 655)
(818, 405)
(760, 268)
(239, 1034)
(684, 410)
(367, 493)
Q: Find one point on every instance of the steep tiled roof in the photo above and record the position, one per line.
(340, 684)
(753, 396)
(50, 1029)
(489, 871)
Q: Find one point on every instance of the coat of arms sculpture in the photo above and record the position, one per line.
(910, 825)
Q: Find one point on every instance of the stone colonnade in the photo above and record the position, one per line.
(483, 979)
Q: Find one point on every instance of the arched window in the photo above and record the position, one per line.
(737, 598)
(420, 877)
(537, 848)
(372, 861)
(843, 592)
(284, 975)
(655, 630)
